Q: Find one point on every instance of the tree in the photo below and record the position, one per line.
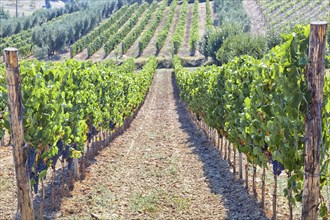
(47, 3)
(3, 14)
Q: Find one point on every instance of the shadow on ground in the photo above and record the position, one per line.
(238, 202)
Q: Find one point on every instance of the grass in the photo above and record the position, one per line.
(145, 203)
(180, 203)
(102, 197)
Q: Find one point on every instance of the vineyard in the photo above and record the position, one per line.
(166, 110)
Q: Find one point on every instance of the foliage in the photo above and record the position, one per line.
(231, 11)
(194, 32)
(40, 53)
(147, 35)
(20, 41)
(92, 39)
(56, 35)
(132, 36)
(115, 39)
(241, 44)
(260, 105)
(62, 101)
(15, 25)
(97, 42)
(274, 38)
(282, 18)
(59, 32)
(214, 38)
(177, 37)
(161, 37)
(209, 20)
(3, 15)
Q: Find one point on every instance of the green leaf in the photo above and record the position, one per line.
(42, 174)
(247, 102)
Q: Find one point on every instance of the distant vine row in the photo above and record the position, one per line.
(178, 35)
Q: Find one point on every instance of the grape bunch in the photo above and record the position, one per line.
(112, 125)
(31, 158)
(54, 159)
(94, 131)
(91, 133)
(31, 161)
(277, 167)
(89, 136)
(34, 175)
(198, 117)
(66, 156)
(41, 166)
(219, 133)
(264, 148)
(35, 180)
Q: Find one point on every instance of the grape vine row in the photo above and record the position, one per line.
(260, 106)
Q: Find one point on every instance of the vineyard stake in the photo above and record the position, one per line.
(313, 121)
(75, 168)
(234, 165)
(225, 148)
(229, 154)
(274, 198)
(240, 165)
(254, 176)
(263, 186)
(247, 176)
(222, 143)
(290, 201)
(25, 204)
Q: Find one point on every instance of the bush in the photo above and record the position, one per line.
(214, 38)
(274, 38)
(40, 52)
(241, 44)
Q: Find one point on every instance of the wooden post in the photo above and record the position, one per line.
(263, 186)
(290, 201)
(254, 176)
(240, 165)
(75, 168)
(229, 154)
(247, 176)
(24, 194)
(71, 54)
(221, 150)
(225, 148)
(234, 165)
(313, 121)
(275, 199)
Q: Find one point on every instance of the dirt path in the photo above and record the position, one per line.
(258, 25)
(82, 55)
(161, 168)
(98, 55)
(202, 19)
(166, 51)
(202, 24)
(8, 199)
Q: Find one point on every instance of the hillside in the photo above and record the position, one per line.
(26, 8)
(166, 110)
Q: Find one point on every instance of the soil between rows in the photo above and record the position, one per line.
(162, 167)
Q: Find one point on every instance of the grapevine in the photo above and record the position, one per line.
(258, 105)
